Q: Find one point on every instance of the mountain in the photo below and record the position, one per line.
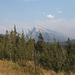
(47, 34)
(72, 41)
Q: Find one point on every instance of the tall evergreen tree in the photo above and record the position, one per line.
(22, 47)
(30, 49)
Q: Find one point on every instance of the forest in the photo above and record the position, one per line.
(50, 56)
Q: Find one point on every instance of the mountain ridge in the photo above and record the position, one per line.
(47, 34)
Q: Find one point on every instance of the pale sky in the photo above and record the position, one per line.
(57, 15)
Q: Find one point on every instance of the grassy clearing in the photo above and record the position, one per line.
(10, 68)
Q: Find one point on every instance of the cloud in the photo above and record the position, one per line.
(50, 16)
(57, 20)
(44, 13)
(2, 29)
(59, 11)
(62, 25)
(9, 25)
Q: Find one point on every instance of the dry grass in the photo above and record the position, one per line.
(10, 68)
(64, 73)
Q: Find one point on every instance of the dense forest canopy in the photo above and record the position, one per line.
(50, 56)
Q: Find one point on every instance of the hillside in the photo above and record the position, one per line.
(72, 41)
(10, 68)
(28, 57)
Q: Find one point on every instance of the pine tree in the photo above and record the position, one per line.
(70, 56)
(40, 43)
(30, 49)
(2, 40)
(22, 47)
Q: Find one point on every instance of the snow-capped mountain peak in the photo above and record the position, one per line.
(47, 34)
(39, 29)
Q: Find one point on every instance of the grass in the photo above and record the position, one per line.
(10, 68)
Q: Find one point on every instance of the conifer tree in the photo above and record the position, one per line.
(30, 49)
(70, 56)
(2, 40)
(22, 47)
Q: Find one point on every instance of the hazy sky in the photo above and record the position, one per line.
(57, 15)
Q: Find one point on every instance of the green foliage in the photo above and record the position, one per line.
(50, 56)
(40, 38)
(30, 49)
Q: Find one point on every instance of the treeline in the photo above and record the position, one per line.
(50, 56)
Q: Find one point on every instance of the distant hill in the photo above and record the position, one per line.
(47, 34)
(73, 41)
